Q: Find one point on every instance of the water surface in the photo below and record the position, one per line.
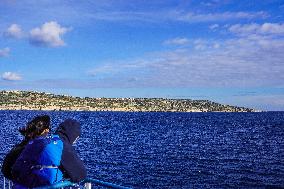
(172, 150)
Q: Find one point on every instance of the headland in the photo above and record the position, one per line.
(31, 100)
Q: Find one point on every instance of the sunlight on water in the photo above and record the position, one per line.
(172, 150)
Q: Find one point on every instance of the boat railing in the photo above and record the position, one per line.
(86, 184)
(7, 183)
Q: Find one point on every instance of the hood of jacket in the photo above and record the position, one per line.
(69, 129)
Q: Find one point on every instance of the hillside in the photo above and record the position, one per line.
(30, 100)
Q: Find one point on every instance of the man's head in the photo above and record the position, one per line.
(70, 129)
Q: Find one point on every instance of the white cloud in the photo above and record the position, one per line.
(263, 29)
(49, 34)
(214, 26)
(224, 16)
(253, 61)
(201, 44)
(177, 41)
(216, 45)
(173, 15)
(4, 52)
(103, 70)
(10, 76)
(116, 68)
(238, 63)
(14, 31)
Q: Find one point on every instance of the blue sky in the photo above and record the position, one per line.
(226, 51)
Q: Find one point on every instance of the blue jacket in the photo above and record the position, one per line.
(38, 164)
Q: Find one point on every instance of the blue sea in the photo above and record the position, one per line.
(172, 150)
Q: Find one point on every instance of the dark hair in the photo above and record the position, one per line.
(35, 127)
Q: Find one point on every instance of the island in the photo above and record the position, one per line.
(32, 100)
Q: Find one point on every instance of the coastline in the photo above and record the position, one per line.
(31, 100)
(104, 110)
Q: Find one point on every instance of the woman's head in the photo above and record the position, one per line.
(36, 127)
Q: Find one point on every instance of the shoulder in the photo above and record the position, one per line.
(54, 140)
(55, 137)
(19, 147)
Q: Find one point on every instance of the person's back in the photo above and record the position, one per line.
(38, 163)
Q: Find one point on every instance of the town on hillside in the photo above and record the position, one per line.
(30, 100)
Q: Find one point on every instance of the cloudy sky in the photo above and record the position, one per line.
(228, 51)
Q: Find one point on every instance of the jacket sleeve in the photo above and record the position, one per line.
(71, 165)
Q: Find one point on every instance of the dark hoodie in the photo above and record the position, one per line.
(71, 165)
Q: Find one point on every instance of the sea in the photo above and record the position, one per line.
(171, 150)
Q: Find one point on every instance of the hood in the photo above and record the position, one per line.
(69, 129)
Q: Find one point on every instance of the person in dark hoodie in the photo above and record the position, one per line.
(47, 160)
(71, 165)
(30, 131)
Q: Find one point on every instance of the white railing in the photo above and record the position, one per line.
(86, 184)
(7, 183)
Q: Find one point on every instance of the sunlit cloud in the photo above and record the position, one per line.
(263, 29)
(174, 16)
(251, 61)
(49, 35)
(214, 26)
(177, 41)
(10, 76)
(14, 31)
(223, 16)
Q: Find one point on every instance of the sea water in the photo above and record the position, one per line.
(171, 150)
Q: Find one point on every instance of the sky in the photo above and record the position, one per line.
(227, 51)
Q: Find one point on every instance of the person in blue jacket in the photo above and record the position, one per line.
(47, 160)
(33, 128)
(38, 164)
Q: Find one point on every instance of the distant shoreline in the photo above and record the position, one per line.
(109, 110)
(134, 111)
(31, 100)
